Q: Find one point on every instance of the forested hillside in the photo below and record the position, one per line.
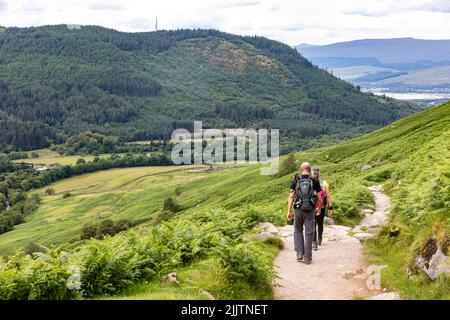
(56, 82)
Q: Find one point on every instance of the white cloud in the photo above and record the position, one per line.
(290, 21)
(387, 7)
(3, 5)
(32, 7)
(106, 5)
(236, 4)
(139, 24)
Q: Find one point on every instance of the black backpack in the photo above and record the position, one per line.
(306, 196)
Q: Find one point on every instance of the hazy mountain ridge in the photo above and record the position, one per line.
(387, 51)
(405, 61)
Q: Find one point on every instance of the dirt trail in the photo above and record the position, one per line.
(338, 271)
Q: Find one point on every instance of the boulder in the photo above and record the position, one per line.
(329, 220)
(267, 226)
(366, 167)
(262, 236)
(170, 278)
(265, 230)
(432, 260)
(336, 237)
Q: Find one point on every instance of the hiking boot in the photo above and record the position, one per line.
(307, 261)
(320, 242)
(315, 247)
(299, 257)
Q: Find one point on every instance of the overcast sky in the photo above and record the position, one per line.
(289, 21)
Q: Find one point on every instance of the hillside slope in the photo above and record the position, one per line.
(410, 157)
(57, 81)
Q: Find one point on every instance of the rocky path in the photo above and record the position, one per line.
(338, 271)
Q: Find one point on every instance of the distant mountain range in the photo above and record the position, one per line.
(402, 64)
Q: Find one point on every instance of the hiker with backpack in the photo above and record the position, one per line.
(305, 196)
(318, 228)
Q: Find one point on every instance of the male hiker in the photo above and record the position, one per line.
(318, 229)
(305, 191)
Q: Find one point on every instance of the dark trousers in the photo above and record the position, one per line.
(318, 228)
(303, 221)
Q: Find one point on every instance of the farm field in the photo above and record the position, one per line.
(48, 157)
(129, 193)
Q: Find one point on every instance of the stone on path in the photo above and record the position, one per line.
(366, 212)
(387, 296)
(267, 226)
(286, 231)
(265, 230)
(338, 227)
(264, 235)
(363, 236)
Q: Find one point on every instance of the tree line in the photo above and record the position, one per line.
(95, 143)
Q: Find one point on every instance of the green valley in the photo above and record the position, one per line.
(206, 238)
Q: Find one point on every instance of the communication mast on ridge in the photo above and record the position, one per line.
(156, 24)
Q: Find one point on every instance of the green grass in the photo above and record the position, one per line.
(410, 157)
(48, 157)
(130, 193)
(396, 256)
(197, 277)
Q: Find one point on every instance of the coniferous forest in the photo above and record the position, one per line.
(56, 82)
